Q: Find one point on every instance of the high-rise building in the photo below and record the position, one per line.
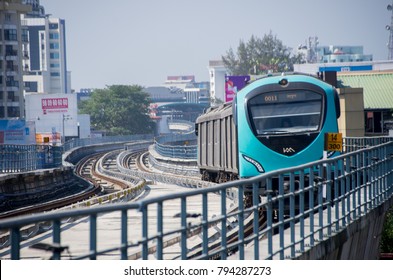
(13, 38)
(45, 61)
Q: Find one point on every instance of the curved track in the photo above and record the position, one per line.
(89, 169)
(138, 160)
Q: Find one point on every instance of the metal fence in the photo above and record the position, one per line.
(356, 143)
(24, 158)
(179, 146)
(293, 199)
(75, 143)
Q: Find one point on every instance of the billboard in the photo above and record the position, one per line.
(54, 105)
(233, 84)
(18, 132)
(53, 112)
(48, 138)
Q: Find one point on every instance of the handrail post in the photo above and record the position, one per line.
(93, 236)
(241, 222)
(223, 225)
(183, 214)
(15, 244)
(124, 232)
(56, 238)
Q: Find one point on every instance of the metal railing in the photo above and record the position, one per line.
(75, 143)
(24, 158)
(294, 199)
(179, 146)
(356, 143)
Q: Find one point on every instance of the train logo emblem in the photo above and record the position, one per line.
(288, 150)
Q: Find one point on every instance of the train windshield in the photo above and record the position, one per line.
(286, 112)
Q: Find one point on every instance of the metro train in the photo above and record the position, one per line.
(273, 123)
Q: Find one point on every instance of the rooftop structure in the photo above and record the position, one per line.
(333, 53)
(377, 87)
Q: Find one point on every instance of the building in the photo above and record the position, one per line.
(375, 78)
(217, 73)
(197, 93)
(180, 98)
(13, 37)
(57, 113)
(36, 9)
(17, 132)
(365, 89)
(333, 54)
(320, 59)
(163, 95)
(313, 53)
(315, 68)
(45, 61)
(179, 82)
(377, 87)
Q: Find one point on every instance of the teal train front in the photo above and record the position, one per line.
(273, 123)
(281, 122)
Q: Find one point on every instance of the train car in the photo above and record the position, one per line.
(273, 123)
(217, 144)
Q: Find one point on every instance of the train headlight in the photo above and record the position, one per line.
(283, 82)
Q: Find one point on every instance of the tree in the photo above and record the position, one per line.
(119, 110)
(387, 233)
(260, 56)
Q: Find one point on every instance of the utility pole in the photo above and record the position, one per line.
(390, 29)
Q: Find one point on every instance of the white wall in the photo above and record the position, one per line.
(52, 111)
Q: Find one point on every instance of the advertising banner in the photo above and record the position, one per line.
(48, 138)
(54, 105)
(233, 84)
(17, 132)
(53, 112)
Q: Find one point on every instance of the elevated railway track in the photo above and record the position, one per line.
(109, 184)
(207, 221)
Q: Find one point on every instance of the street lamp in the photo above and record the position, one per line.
(65, 117)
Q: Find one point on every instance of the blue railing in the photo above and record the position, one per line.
(24, 158)
(75, 143)
(177, 146)
(293, 199)
(356, 143)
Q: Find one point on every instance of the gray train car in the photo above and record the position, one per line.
(217, 159)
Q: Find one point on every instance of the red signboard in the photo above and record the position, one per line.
(50, 105)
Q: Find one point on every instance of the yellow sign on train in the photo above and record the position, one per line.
(333, 142)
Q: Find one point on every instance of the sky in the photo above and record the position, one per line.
(141, 42)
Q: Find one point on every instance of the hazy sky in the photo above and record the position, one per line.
(144, 41)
